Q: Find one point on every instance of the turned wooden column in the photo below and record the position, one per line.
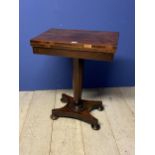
(77, 81)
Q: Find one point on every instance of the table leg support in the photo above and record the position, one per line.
(76, 107)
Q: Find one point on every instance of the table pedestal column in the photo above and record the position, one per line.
(75, 106)
(77, 82)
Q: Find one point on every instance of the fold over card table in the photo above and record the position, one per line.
(78, 45)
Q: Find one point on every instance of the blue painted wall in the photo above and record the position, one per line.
(45, 72)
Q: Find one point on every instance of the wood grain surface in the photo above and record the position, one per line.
(84, 44)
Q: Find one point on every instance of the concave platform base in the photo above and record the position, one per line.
(79, 111)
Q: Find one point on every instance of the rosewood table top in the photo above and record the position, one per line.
(81, 44)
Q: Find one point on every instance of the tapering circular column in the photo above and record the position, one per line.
(77, 82)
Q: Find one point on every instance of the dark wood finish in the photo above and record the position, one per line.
(77, 107)
(74, 54)
(77, 79)
(76, 44)
(82, 114)
(79, 45)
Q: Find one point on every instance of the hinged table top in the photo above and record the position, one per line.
(76, 43)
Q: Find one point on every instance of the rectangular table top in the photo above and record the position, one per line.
(82, 44)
